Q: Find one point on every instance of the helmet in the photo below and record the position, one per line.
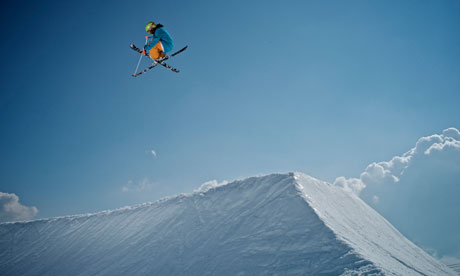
(150, 26)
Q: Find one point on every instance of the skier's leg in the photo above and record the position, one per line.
(157, 51)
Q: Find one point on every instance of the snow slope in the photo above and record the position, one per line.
(281, 224)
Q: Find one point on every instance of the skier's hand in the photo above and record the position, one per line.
(143, 52)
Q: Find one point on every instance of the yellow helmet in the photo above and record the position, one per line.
(150, 26)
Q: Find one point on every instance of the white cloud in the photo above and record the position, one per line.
(452, 133)
(209, 185)
(139, 186)
(351, 184)
(418, 191)
(151, 152)
(391, 171)
(12, 210)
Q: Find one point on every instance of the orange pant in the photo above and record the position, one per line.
(157, 51)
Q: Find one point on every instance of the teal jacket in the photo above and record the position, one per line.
(160, 34)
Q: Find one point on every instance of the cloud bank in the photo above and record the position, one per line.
(12, 210)
(444, 148)
(418, 191)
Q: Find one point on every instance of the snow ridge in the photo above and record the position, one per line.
(368, 233)
(280, 224)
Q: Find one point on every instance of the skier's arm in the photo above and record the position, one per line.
(151, 44)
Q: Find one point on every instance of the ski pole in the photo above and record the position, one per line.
(137, 67)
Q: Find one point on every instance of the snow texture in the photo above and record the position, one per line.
(280, 224)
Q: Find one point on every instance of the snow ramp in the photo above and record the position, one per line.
(280, 224)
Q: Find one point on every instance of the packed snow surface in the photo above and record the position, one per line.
(280, 224)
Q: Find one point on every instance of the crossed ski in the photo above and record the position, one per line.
(156, 62)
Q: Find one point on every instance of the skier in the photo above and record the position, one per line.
(156, 48)
(159, 43)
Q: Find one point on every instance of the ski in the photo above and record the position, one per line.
(145, 70)
(156, 62)
(180, 51)
(169, 67)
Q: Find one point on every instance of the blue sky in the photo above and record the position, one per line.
(322, 87)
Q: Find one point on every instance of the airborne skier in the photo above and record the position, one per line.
(159, 43)
(156, 47)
